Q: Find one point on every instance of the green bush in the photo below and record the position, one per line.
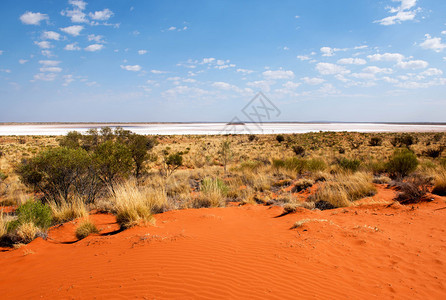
(32, 212)
(348, 164)
(402, 163)
(375, 141)
(56, 172)
(209, 185)
(280, 138)
(299, 150)
(315, 164)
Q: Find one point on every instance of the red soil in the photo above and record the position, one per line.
(247, 252)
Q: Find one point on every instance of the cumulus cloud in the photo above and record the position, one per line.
(76, 15)
(23, 61)
(50, 63)
(412, 64)
(50, 35)
(303, 57)
(45, 76)
(30, 18)
(226, 86)
(72, 47)
(51, 69)
(290, 85)
(352, 61)
(404, 12)
(331, 69)
(432, 72)
(262, 85)
(312, 81)
(376, 70)
(244, 71)
(278, 74)
(78, 3)
(134, 68)
(157, 72)
(386, 57)
(327, 51)
(94, 47)
(142, 52)
(73, 30)
(101, 15)
(432, 43)
(43, 44)
(96, 38)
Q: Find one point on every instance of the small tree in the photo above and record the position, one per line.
(172, 162)
(225, 153)
(139, 146)
(280, 138)
(71, 140)
(112, 160)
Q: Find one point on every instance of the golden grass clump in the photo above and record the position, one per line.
(304, 221)
(27, 232)
(85, 228)
(214, 192)
(440, 184)
(67, 211)
(342, 189)
(3, 225)
(133, 204)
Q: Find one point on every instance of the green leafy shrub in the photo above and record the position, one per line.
(348, 164)
(34, 212)
(402, 163)
(315, 164)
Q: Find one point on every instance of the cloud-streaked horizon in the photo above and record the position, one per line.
(162, 62)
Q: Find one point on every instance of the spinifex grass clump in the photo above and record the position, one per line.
(402, 163)
(342, 190)
(85, 228)
(440, 184)
(213, 193)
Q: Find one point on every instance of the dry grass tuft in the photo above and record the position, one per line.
(85, 228)
(67, 211)
(27, 232)
(440, 184)
(293, 207)
(304, 221)
(133, 204)
(342, 189)
(3, 225)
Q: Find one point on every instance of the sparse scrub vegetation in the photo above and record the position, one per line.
(85, 228)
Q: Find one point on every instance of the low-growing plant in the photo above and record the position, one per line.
(434, 152)
(347, 164)
(68, 210)
(440, 184)
(402, 163)
(27, 232)
(213, 193)
(280, 138)
(85, 228)
(34, 212)
(375, 141)
(299, 150)
(413, 190)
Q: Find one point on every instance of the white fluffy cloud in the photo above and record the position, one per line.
(386, 57)
(50, 63)
(134, 68)
(50, 35)
(291, 85)
(51, 69)
(278, 74)
(327, 51)
(43, 44)
(30, 18)
(244, 71)
(142, 52)
(331, 69)
(94, 47)
(432, 72)
(405, 12)
(432, 43)
(45, 76)
(377, 70)
(73, 30)
(96, 38)
(352, 61)
(78, 3)
(303, 57)
(412, 64)
(101, 15)
(72, 47)
(23, 61)
(312, 81)
(262, 85)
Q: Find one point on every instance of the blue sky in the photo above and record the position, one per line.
(332, 60)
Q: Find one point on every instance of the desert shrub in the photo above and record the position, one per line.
(355, 144)
(280, 138)
(413, 190)
(403, 140)
(342, 190)
(341, 150)
(3, 176)
(315, 165)
(381, 179)
(113, 161)
(301, 185)
(252, 137)
(293, 207)
(438, 136)
(225, 153)
(34, 212)
(442, 163)
(292, 164)
(375, 141)
(3, 224)
(402, 163)
(250, 165)
(348, 164)
(140, 146)
(440, 184)
(71, 140)
(433, 152)
(56, 172)
(299, 150)
(85, 228)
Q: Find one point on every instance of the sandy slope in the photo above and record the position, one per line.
(241, 252)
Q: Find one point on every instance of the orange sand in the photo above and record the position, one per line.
(245, 252)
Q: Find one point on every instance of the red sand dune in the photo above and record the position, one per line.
(245, 252)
